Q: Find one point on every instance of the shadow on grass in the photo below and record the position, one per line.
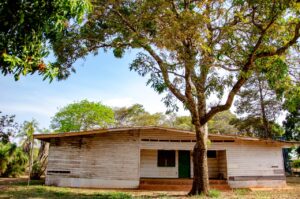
(53, 192)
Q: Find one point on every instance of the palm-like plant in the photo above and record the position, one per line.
(6, 154)
(26, 134)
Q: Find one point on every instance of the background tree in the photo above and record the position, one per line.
(221, 123)
(259, 107)
(125, 116)
(136, 115)
(192, 50)
(82, 115)
(292, 128)
(30, 29)
(26, 134)
(8, 127)
(182, 122)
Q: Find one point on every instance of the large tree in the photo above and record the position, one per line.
(193, 50)
(30, 29)
(82, 115)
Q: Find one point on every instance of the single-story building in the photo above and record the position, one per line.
(125, 157)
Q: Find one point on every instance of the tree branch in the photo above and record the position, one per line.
(241, 81)
(282, 49)
(158, 59)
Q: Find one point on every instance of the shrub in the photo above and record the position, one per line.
(214, 193)
(13, 160)
(296, 163)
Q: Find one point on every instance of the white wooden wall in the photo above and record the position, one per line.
(107, 161)
(254, 160)
(149, 168)
(113, 160)
(242, 158)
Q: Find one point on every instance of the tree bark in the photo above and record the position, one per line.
(200, 180)
(267, 133)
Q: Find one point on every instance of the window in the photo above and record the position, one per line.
(165, 158)
(211, 154)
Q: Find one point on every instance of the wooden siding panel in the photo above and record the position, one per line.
(109, 157)
(240, 158)
(149, 168)
(222, 163)
(253, 160)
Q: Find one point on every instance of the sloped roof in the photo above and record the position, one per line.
(47, 137)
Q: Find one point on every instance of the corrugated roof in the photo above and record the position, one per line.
(47, 137)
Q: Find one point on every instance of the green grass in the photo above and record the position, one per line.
(19, 189)
(39, 191)
(212, 194)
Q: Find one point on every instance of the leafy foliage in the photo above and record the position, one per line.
(292, 126)
(30, 29)
(253, 126)
(259, 105)
(221, 123)
(136, 115)
(40, 163)
(182, 122)
(26, 134)
(296, 164)
(8, 127)
(12, 160)
(82, 115)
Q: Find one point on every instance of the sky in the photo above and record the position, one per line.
(102, 78)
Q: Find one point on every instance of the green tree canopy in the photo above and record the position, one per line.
(192, 50)
(259, 106)
(30, 29)
(136, 115)
(292, 126)
(221, 123)
(82, 115)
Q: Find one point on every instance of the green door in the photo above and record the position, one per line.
(184, 164)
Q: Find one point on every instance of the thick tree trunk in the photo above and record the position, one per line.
(200, 181)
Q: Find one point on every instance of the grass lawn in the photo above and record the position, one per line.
(17, 188)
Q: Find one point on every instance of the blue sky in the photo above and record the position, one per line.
(99, 78)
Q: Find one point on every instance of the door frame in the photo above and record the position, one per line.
(187, 153)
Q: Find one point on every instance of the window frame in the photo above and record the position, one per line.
(211, 154)
(168, 157)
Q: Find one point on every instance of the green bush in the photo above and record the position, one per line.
(214, 193)
(13, 160)
(296, 163)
